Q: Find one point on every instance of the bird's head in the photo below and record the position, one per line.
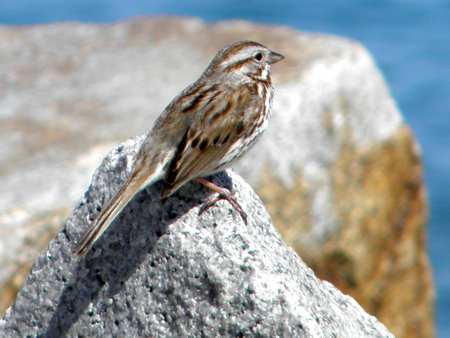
(244, 58)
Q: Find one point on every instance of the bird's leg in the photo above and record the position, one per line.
(224, 194)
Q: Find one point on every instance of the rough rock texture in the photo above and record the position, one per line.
(338, 170)
(163, 271)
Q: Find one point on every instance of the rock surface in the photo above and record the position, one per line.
(338, 169)
(161, 270)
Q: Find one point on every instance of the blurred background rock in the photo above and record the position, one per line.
(58, 82)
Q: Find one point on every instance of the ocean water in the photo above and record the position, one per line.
(410, 41)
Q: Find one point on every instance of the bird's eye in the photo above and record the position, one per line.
(258, 56)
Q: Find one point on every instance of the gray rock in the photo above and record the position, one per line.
(338, 170)
(161, 270)
(71, 92)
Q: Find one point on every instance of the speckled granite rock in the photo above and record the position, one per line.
(338, 170)
(161, 270)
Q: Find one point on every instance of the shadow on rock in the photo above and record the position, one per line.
(115, 257)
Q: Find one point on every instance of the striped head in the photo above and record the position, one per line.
(243, 58)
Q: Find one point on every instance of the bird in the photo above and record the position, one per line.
(202, 131)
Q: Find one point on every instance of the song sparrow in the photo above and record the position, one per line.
(208, 125)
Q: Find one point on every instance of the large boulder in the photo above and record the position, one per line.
(338, 170)
(161, 270)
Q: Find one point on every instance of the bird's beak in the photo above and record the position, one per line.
(274, 57)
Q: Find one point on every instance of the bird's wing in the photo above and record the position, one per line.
(216, 126)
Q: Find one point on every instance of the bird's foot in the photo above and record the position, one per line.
(223, 194)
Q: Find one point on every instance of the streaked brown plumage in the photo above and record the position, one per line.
(207, 126)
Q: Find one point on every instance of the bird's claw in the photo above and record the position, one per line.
(225, 195)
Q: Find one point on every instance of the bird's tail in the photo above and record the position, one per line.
(109, 212)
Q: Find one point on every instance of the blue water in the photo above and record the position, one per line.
(410, 40)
